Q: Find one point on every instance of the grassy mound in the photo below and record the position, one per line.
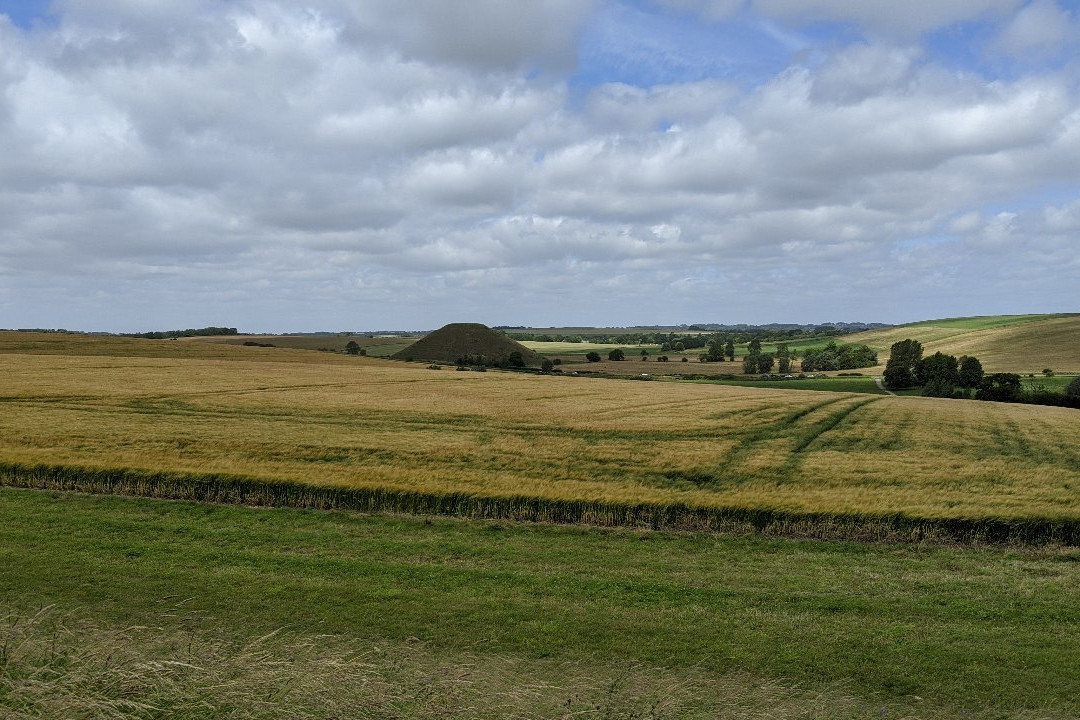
(459, 340)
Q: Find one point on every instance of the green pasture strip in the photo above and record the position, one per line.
(1054, 383)
(926, 631)
(573, 348)
(982, 322)
(383, 350)
(896, 527)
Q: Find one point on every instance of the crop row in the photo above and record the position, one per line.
(875, 527)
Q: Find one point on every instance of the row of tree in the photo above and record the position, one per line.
(678, 342)
(939, 375)
(838, 357)
(942, 375)
(829, 357)
(190, 332)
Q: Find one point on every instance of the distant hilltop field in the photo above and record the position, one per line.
(1004, 343)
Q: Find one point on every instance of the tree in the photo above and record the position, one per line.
(351, 348)
(1002, 387)
(1073, 388)
(754, 348)
(971, 372)
(904, 356)
(616, 354)
(758, 363)
(783, 358)
(515, 359)
(592, 356)
(938, 367)
(546, 365)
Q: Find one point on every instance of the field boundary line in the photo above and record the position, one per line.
(237, 490)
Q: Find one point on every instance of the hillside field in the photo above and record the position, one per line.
(127, 604)
(1003, 343)
(338, 422)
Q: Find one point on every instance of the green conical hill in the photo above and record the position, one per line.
(460, 340)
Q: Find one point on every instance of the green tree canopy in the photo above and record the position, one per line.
(938, 367)
(904, 356)
(971, 372)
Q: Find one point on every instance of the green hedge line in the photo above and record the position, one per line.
(896, 527)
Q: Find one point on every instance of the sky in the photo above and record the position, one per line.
(330, 165)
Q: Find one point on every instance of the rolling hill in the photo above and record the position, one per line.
(1004, 343)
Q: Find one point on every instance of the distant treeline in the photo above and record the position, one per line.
(695, 339)
(190, 332)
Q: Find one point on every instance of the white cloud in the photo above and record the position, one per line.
(1038, 31)
(347, 155)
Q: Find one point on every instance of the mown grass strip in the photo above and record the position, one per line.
(878, 527)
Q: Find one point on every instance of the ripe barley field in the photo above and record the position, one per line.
(360, 423)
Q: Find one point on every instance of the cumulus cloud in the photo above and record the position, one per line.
(1039, 30)
(300, 167)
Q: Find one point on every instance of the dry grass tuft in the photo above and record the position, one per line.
(56, 666)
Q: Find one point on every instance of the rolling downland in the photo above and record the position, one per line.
(1003, 343)
(271, 428)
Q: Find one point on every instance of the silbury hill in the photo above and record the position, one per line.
(468, 344)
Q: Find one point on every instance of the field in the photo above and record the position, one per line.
(1004, 343)
(216, 611)
(361, 423)
(563, 349)
(832, 383)
(113, 606)
(379, 346)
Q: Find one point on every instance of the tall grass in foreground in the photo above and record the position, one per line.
(880, 527)
(55, 665)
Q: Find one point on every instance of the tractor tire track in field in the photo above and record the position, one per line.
(816, 430)
(726, 472)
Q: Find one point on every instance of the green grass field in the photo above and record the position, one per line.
(165, 602)
(572, 348)
(139, 608)
(982, 322)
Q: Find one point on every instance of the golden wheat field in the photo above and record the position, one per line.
(360, 422)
